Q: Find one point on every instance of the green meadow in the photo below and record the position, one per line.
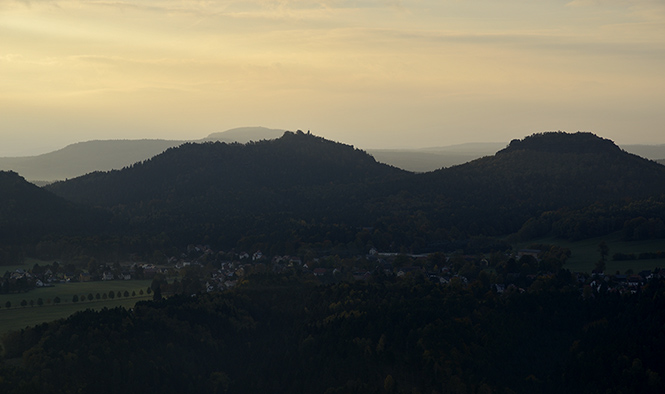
(18, 317)
(585, 254)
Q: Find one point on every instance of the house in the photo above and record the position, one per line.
(149, 272)
(434, 278)
(107, 275)
(362, 275)
(528, 252)
(635, 281)
(407, 270)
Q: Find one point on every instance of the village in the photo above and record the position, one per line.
(207, 270)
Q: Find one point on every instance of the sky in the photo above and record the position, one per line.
(371, 73)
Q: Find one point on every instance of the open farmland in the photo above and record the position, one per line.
(17, 316)
(585, 254)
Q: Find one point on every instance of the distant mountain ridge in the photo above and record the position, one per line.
(85, 157)
(539, 173)
(430, 159)
(302, 192)
(561, 164)
(269, 174)
(227, 191)
(103, 155)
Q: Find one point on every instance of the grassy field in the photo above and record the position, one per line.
(18, 317)
(584, 254)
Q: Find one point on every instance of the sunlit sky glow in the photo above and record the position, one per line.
(371, 73)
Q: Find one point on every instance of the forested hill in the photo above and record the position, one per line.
(303, 177)
(324, 191)
(560, 142)
(542, 172)
(244, 135)
(553, 169)
(208, 170)
(28, 212)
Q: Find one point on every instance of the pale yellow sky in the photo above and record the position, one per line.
(376, 74)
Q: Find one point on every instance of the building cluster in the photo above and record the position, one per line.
(219, 270)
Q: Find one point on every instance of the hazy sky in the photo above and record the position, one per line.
(372, 73)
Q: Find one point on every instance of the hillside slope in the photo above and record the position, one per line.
(28, 212)
(225, 192)
(105, 155)
(324, 190)
(549, 171)
(653, 152)
(555, 168)
(192, 171)
(84, 157)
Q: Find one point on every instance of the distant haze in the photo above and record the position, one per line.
(104, 155)
(375, 74)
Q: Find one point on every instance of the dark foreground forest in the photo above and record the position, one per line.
(285, 334)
